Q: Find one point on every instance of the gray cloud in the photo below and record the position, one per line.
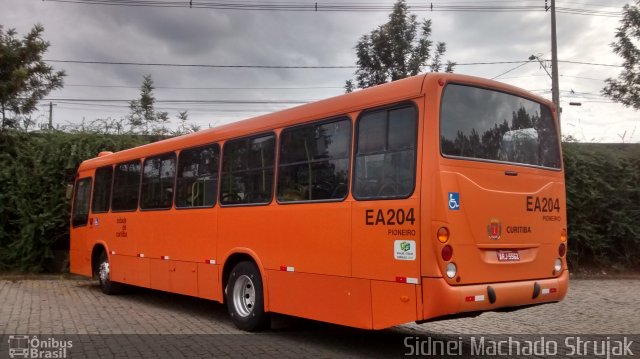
(204, 36)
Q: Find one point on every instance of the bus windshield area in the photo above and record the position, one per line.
(483, 124)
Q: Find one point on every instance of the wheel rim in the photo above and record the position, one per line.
(103, 272)
(244, 296)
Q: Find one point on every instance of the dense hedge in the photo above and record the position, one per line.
(603, 204)
(35, 169)
(603, 197)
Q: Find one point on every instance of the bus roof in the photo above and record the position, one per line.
(408, 88)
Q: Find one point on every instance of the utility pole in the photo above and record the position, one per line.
(50, 116)
(555, 89)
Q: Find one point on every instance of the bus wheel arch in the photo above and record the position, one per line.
(244, 292)
(96, 254)
(232, 260)
(99, 264)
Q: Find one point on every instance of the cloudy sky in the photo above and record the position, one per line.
(180, 35)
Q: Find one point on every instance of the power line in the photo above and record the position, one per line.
(210, 88)
(511, 69)
(131, 63)
(341, 7)
(588, 63)
(187, 101)
(200, 65)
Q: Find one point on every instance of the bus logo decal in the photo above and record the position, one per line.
(454, 201)
(404, 250)
(494, 229)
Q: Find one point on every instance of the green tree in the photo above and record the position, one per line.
(143, 118)
(397, 49)
(626, 88)
(25, 78)
(184, 127)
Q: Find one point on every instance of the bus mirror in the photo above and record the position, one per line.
(69, 193)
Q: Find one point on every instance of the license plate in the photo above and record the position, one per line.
(508, 255)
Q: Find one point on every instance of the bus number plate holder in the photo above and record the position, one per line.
(507, 255)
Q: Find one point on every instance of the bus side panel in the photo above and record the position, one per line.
(312, 238)
(208, 282)
(122, 232)
(183, 277)
(248, 227)
(185, 238)
(339, 300)
(80, 262)
(159, 274)
(121, 268)
(189, 235)
(392, 304)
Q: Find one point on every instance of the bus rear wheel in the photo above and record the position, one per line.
(245, 297)
(104, 276)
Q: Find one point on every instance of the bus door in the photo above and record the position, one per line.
(80, 222)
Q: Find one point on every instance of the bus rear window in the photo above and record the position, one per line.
(490, 125)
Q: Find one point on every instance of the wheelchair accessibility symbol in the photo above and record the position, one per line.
(454, 201)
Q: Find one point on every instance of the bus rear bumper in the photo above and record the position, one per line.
(441, 299)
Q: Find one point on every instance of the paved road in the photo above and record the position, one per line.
(75, 308)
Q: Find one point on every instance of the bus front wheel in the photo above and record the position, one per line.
(245, 297)
(104, 276)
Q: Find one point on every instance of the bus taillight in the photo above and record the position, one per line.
(451, 270)
(563, 235)
(562, 249)
(443, 234)
(557, 267)
(447, 253)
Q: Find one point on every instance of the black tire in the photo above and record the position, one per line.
(104, 276)
(244, 295)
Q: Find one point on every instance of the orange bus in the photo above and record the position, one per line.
(432, 196)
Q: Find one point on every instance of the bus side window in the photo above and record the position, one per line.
(126, 183)
(197, 182)
(385, 155)
(247, 170)
(102, 190)
(314, 161)
(81, 201)
(157, 182)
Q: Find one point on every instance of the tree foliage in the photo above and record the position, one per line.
(25, 78)
(626, 88)
(144, 118)
(397, 49)
(603, 204)
(35, 169)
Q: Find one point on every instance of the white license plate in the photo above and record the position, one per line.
(508, 255)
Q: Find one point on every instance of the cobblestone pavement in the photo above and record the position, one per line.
(78, 309)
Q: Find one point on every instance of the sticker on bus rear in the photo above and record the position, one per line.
(404, 250)
(454, 201)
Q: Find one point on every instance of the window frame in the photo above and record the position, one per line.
(93, 193)
(74, 202)
(349, 157)
(219, 169)
(275, 161)
(113, 187)
(356, 133)
(175, 174)
(483, 160)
